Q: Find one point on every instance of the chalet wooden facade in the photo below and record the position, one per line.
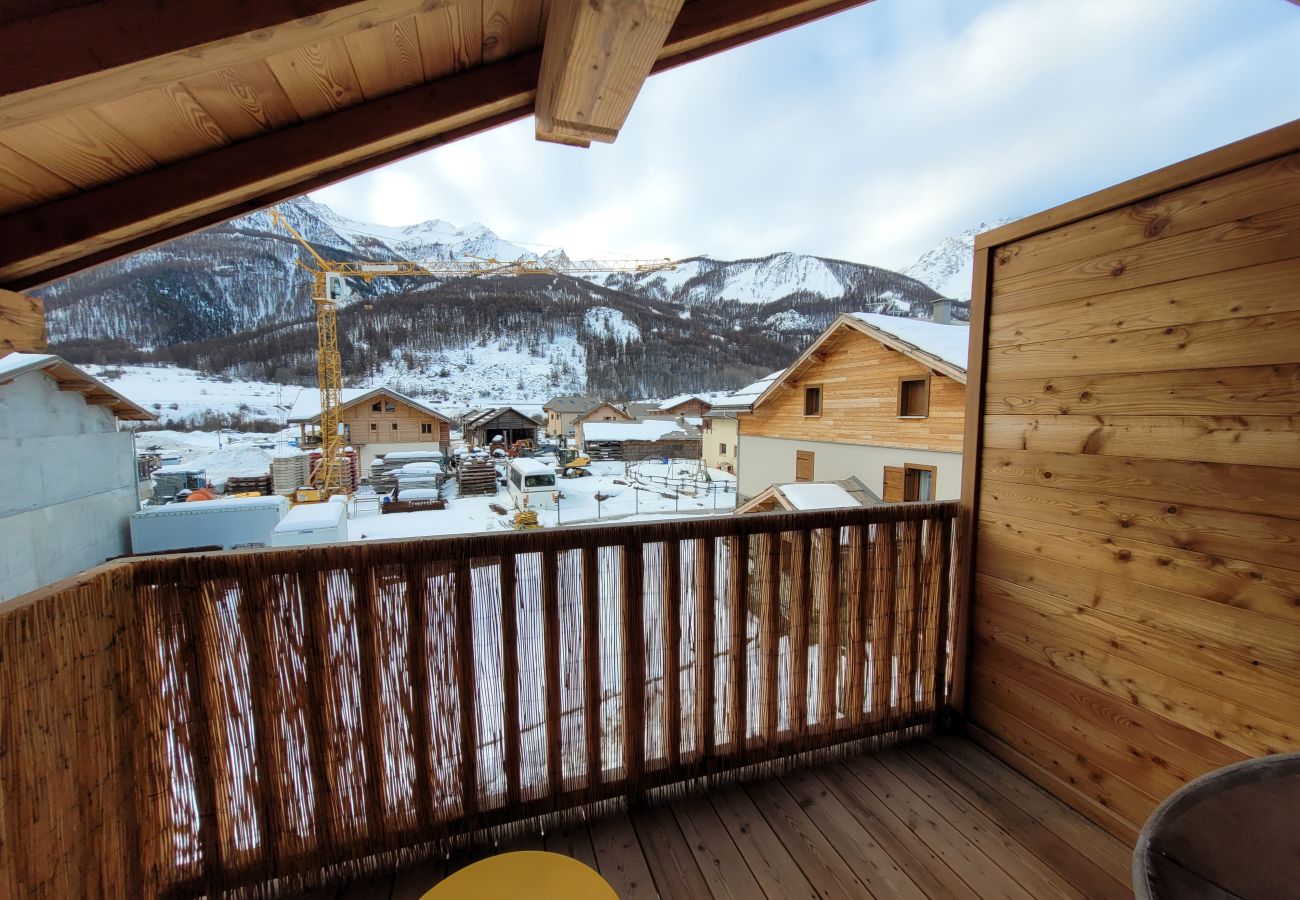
(871, 696)
(501, 426)
(376, 421)
(874, 397)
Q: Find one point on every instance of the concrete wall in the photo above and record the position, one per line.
(67, 485)
(766, 461)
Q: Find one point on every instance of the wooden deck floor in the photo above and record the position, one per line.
(940, 819)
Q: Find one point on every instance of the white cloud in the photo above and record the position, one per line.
(875, 133)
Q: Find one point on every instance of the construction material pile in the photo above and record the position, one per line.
(477, 476)
(249, 484)
(385, 469)
(289, 471)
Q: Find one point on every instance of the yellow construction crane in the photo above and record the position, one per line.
(327, 290)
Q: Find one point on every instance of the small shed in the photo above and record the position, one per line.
(633, 441)
(804, 495)
(504, 423)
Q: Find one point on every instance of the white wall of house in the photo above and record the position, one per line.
(720, 432)
(67, 485)
(765, 461)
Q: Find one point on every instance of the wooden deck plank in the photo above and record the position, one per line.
(413, 883)
(621, 861)
(763, 849)
(574, 841)
(672, 864)
(720, 861)
(813, 853)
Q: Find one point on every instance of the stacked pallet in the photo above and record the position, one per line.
(289, 471)
(477, 476)
(249, 484)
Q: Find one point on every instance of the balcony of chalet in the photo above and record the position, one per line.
(975, 699)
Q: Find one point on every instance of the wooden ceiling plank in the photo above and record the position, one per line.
(80, 148)
(244, 101)
(73, 233)
(597, 55)
(386, 58)
(168, 123)
(318, 78)
(104, 50)
(510, 27)
(451, 38)
(25, 183)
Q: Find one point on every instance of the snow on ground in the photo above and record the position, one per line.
(187, 395)
(605, 322)
(626, 502)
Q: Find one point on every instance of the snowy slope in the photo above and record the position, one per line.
(949, 267)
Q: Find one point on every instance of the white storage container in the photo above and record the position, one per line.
(312, 523)
(234, 522)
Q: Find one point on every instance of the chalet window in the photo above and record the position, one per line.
(377, 406)
(914, 397)
(389, 407)
(426, 428)
(918, 482)
(722, 448)
(374, 426)
(812, 401)
(394, 426)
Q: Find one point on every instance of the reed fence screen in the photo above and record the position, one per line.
(258, 722)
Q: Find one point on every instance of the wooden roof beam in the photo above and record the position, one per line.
(94, 52)
(597, 55)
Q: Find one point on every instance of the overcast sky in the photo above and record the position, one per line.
(875, 133)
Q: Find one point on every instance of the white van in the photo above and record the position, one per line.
(531, 483)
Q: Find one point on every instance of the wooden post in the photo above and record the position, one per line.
(705, 612)
(371, 689)
(944, 594)
(672, 712)
(417, 659)
(884, 550)
(905, 617)
(255, 628)
(800, 617)
(591, 665)
(315, 622)
(856, 638)
(738, 682)
(465, 676)
(632, 591)
(201, 678)
(22, 324)
(509, 675)
(828, 638)
(768, 645)
(551, 664)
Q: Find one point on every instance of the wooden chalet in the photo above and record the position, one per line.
(873, 397)
(500, 425)
(984, 697)
(562, 411)
(375, 421)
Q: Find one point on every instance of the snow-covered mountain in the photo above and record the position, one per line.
(231, 301)
(949, 267)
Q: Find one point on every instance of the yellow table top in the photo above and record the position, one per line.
(524, 875)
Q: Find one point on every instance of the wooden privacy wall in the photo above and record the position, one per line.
(1133, 459)
(261, 722)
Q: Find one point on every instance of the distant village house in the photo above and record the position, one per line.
(375, 421)
(562, 411)
(877, 397)
(503, 425)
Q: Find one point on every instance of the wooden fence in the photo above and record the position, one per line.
(259, 722)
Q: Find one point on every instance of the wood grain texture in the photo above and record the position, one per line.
(80, 148)
(859, 379)
(317, 78)
(387, 57)
(22, 323)
(1137, 555)
(451, 38)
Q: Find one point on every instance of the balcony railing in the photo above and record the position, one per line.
(263, 720)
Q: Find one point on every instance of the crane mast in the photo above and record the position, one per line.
(327, 291)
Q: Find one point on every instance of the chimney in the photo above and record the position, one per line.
(941, 311)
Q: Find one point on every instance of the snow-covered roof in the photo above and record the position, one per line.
(59, 370)
(312, 515)
(946, 342)
(709, 397)
(817, 495)
(528, 466)
(645, 430)
(743, 398)
(306, 407)
(570, 403)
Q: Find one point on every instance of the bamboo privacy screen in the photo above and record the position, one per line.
(183, 725)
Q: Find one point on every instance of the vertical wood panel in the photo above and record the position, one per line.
(856, 614)
(705, 647)
(634, 672)
(738, 662)
(367, 620)
(944, 594)
(551, 654)
(510, 676)
(259, 637)
(672, 621)
(199, 676)
(883, 554)
(800, 618)
(465, 683)
(828, 632)
(769, 562)
(906, 615)
(417, 658)
(591, 664)
(316, 643)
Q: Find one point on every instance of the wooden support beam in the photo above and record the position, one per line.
(73, 233)
(597, 55)
(91, 53)
(22, 324)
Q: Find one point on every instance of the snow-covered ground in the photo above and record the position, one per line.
(171, 392)
(621, 502)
